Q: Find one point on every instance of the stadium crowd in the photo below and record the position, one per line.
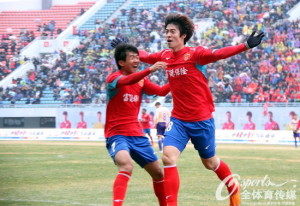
(270, 74)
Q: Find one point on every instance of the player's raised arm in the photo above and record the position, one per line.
(206, 56)
(137, 76)
(149, 58)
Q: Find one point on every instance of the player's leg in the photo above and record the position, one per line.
(295, 138)
(160, 142)
(174, 143)
(144, 155)
(160, 127)
(147, 132)
(223, 172)
(118, 149)
(156, 173)
(203, 138)
(151, 138)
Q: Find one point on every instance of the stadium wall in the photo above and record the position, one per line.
(238, 113)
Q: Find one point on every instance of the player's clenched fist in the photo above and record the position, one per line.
(158, 65)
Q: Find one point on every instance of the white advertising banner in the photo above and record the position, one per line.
(222, 136)
(52, 134)
(255, 136)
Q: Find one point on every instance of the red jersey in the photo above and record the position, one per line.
(249, 126)
(81, 125)
(186, 74)
(125, 95)
(145, 122)
(271, 126)
(228, 125)
(65, 124)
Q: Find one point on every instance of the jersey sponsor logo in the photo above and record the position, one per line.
(176, 72)
(186, 56)
(130, 98)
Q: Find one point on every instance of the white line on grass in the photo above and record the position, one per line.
(50, 201)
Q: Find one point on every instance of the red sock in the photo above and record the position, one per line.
(224, 172)
(172, 183)
(120, 187)
(158, 186)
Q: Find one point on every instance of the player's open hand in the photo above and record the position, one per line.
(118, 40)
(158, 65)
(254, 41)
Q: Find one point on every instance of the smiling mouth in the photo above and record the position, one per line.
(169, 40)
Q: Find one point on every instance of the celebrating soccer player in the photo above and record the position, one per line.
(124, 136)
(193, 103)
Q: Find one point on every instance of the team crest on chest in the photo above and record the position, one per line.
(186, 56)
(141, 83)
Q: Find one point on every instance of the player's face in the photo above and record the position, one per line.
(131, 64)
(228, 116)
(174, 40)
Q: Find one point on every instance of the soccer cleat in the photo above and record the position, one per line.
(235, 199)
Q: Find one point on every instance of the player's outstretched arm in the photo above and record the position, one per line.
(137, 76)
(149, 58)
(206, 56)
(154, 89)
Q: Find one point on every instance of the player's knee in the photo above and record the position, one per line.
(168, 160)
(158, 174)
(128, 167)
(210, 165)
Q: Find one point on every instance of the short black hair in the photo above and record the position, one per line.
(249, 114)
(121, 52)
(184, 23)
(65, 113)
(157, 103)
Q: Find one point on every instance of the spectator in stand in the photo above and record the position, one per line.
(274, 66)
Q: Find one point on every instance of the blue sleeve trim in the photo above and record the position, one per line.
(202, 68)
(112, 88)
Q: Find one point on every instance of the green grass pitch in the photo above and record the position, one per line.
(37, 173)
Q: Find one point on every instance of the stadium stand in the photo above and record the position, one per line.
(270, 74)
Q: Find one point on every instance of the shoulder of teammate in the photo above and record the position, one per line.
(112, 77)
(151, 58)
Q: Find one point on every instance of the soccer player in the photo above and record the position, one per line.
(124, 136)
(229, 125)
(82, 124)
(271, 124)
(145, 122)
(193, 104)
(66, 123)
(293, 126)
(161, 120)
(249, 125)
